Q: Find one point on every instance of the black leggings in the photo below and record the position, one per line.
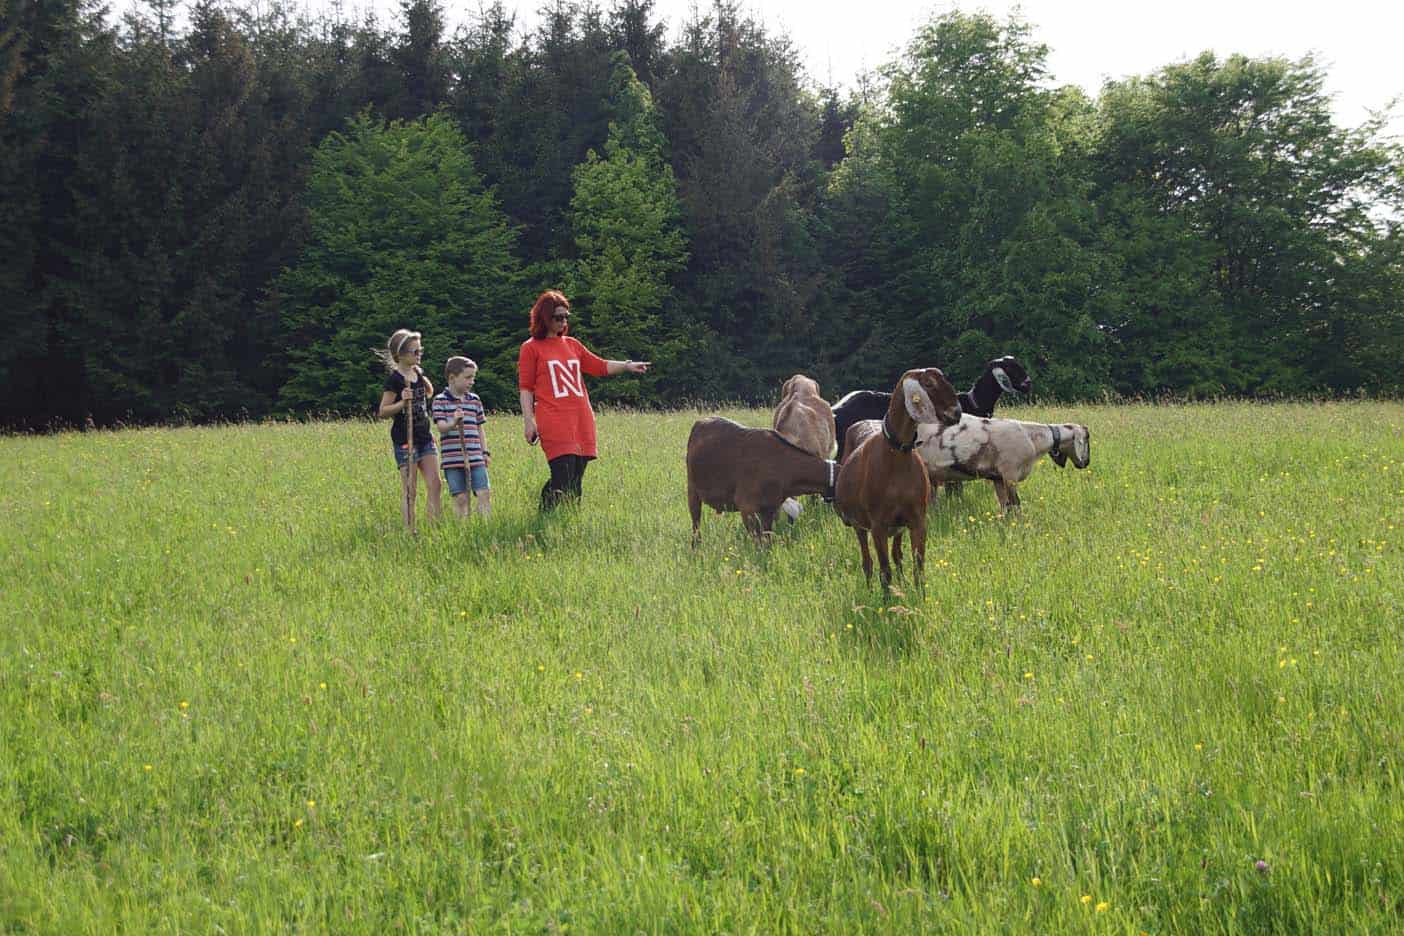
(566, 474)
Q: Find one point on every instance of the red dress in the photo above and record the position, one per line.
(551, 369)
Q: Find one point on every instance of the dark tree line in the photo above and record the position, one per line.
(211, 212)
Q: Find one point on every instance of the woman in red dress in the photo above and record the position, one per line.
(555, 407)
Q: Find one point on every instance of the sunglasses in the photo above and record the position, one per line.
(415, 351)
(562, 317)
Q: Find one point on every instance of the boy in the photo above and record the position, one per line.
(458, 412)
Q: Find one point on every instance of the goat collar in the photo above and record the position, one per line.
(1057, 440)
(892, 440)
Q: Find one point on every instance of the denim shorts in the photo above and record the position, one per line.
(458, 479)
(420, 452)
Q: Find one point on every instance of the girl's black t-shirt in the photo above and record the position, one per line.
(395, 383)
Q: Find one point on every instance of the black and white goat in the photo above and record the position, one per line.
(1002, 375)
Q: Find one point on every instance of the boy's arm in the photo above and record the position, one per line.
(441, 410)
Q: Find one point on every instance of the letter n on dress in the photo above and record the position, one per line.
(565, 378)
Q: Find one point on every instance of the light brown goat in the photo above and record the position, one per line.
(1003, 451)
(882, 485)
(804, 417)
(734, 468)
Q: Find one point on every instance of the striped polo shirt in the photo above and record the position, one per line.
(450, 451)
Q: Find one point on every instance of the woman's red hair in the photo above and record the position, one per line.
(543, 310)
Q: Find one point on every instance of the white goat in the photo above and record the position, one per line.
(1002, 451)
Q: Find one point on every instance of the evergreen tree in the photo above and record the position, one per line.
(633, 31)
(627, 222)
(61, 60)
(421, 58)
(546, 122)
(742, 131)
(403, 234)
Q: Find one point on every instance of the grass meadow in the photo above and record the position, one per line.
(236, 697)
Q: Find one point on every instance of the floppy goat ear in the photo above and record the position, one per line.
(1060, 458)
(1002, 379)
(918, 401)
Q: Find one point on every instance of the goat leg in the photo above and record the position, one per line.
(752, 524)
(880, 537)
(694, 506)
(867, 558)
(1001, 495)
(897, 551)
(918, 535)
(767, 525)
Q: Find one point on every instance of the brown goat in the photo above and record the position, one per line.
(731, 467)
(882, 484)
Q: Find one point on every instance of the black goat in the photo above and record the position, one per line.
(1002, 375)
(856, 407)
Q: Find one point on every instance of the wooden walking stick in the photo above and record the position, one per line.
(411, 494)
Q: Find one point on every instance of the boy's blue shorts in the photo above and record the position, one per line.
(458, 479)
(420, 452)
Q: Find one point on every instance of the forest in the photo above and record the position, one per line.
(217, 212)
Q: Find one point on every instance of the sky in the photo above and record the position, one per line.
(1089, 41)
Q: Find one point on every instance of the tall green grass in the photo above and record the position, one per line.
(235, 696)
